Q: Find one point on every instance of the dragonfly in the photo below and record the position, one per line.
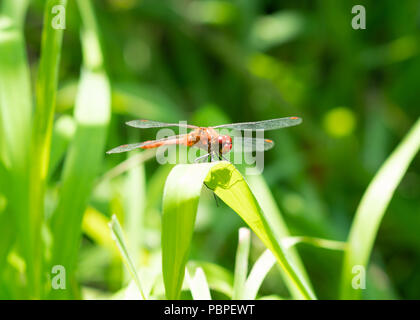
(208, 139)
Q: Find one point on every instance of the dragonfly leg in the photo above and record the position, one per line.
(215, 199)
(222, 157)
(214, 195)
(214, 157)
(200, 158)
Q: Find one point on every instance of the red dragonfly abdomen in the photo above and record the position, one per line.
(181, 140)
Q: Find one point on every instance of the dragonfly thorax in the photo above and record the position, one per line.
(209, 140)
(225, 144)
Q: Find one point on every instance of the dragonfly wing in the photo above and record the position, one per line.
(263, 125)
(253, 144)
(156, 124)
(147, 144)
(125, 148)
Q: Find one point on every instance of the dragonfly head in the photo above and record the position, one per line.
(225, 144)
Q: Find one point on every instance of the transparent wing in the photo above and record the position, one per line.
(147, 144)
(263, 125)
(125, 147)
(252, 144)
(156, 124)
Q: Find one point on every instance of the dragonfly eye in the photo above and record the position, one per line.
(226, 143)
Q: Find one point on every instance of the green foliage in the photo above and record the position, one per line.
(257, 274)
(198, 284)
(180, 202)
(41, 135)
(118, 236)
(241, 263)
(15, 127)
(372, 208)
(317, 210)
(85, 153)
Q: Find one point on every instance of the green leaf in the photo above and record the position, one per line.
(16, 9)
(198, 284)
(180, 201)
(288, 242)
(218, 278)
(258, 272)
(118, 236)
(81, 166)
(86, 152)
(372, 208)
(46, 87)
(63, 133)
(241, 263)
(278, 226)
(134, 197)
(15, 128)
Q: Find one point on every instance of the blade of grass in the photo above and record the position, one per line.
(134, 203)
(83, 160)
(180, 202)
(372, 208)
(198, 284)
(63, 133)
(85, 154)
(266, 261)
(275, 219)
(7, 227)
(134, 198)
(155, 187)
(289, 242)
(231, 187)
(46, 87)
(241, 263)
(15, 128)
(118, 236)
(15, 9)
(8, 235)
(258, 272)
(218, 278)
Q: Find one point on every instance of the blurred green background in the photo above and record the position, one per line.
(214, 62)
